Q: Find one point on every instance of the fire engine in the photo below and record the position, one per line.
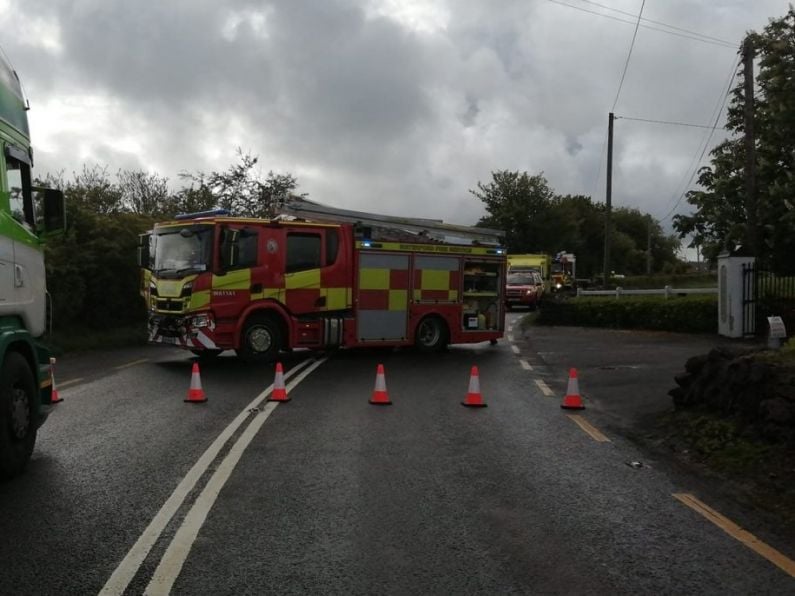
(563, 271)
(319, 277)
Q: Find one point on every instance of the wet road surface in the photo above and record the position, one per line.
(328, 494)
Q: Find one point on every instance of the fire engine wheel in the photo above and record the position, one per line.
(260, 340)
(432, 334)
(17, 415)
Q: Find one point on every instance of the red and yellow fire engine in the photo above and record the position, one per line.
(213, 282)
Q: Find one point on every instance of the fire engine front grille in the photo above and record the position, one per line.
(170, 305)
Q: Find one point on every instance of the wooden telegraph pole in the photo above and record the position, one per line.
(608, 196)
(752, 230)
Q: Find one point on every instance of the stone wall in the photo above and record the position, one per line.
(743, 384)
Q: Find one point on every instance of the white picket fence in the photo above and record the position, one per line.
(667, 291)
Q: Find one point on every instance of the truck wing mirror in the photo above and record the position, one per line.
(144, 255)
(230, 252)
(53, 209)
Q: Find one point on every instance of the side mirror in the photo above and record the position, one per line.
(230, 252)
(54, 210)
(144, 255)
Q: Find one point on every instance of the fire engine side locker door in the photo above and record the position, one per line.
(382, 297)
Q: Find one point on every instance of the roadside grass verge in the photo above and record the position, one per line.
(684, 314)
(75, 340)
(762, 473)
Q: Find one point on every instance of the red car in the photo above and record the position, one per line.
(523, 288)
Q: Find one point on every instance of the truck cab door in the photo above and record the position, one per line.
(317, 277)
(23, 277)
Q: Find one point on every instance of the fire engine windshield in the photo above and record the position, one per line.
(179, 251)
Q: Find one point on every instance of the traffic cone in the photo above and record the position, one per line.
(474, 399)
(279, 392)
(195, 393)
(573, 401)
(380, 397)
(54, 397)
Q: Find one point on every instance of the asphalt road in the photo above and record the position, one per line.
(328, 494)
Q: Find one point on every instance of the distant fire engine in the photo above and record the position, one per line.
(213, 282)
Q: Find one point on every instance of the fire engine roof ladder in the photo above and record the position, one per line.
(306, 209)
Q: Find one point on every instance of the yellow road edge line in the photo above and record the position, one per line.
(779, 559)
(543, 387)
(69, 382)
(589, 429)
(133, 363)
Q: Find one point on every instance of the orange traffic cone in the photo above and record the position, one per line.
(380, 397)
(54, 397)
(195, 393)
(279, 392)
(474, 399)
(573, 401)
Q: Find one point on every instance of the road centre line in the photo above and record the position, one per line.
(133, 363)
(589, 429)
(67, 383)
(544, 387)
(174, 558)
(525, 364)
(128, 567)
(510, 337)
(768, 552)
(515, 349)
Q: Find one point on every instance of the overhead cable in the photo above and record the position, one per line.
(694, 165)
(629, 55)
(699, 37)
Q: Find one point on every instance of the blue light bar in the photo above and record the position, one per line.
(210, 213)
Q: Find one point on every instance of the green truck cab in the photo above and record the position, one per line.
(27, 215)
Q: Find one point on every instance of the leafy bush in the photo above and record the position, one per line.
(689, 314)
(92, 271)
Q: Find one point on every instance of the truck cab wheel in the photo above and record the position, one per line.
(17, 415)
(260, 340)
(432, 334)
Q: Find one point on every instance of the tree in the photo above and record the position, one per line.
(536, 220)
(519, 205)
(143, 193)
(721, 216)
(240, 189)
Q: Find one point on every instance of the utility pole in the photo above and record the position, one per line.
(752, 230)
(608, 196)
(648, 249)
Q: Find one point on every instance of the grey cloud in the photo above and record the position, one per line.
(378, 116)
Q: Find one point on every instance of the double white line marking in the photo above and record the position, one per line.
(171, 563)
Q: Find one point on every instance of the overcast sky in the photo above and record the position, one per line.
(394, 106)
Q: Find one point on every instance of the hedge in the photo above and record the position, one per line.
(687, 314)
(684, 280)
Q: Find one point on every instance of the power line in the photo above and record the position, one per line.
(696, 33)
(629, 55)
(672, 123)
(701, 38)
(694, 165)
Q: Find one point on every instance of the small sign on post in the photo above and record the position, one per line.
(777, 332)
